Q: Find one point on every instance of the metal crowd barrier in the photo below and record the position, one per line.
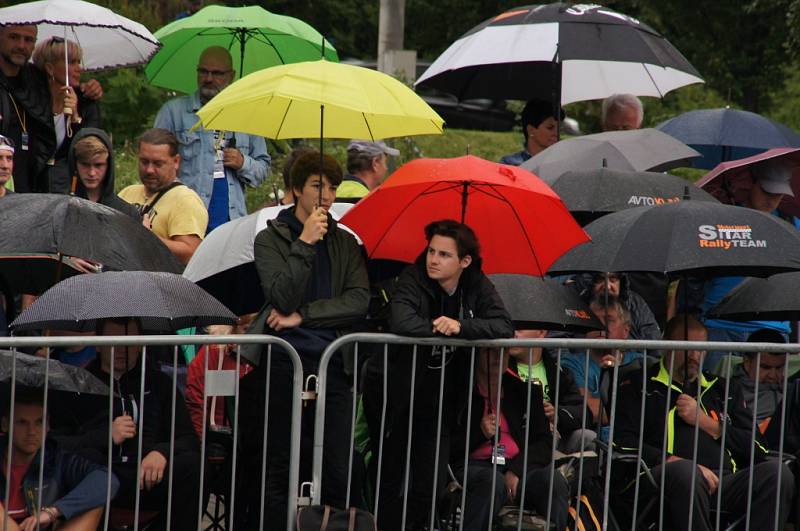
(380, 345)
(224, 387)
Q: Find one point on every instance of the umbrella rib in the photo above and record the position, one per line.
(366, 122)
(660, 95)
(283, 119)
(268, 41)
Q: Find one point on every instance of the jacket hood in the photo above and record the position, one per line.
(108, 183)
(583, 282)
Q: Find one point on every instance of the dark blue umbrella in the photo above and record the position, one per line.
(728, 134)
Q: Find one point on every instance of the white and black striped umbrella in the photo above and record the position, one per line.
(164, 302)
(584, 52)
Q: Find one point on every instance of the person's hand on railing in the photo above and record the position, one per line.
(277, 321)
(153, 466)
(123, 428)
(446, 326)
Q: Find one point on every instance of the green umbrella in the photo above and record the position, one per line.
(256, 39)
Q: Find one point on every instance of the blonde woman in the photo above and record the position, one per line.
(71, 110)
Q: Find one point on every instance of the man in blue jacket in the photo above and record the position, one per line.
(73, 489)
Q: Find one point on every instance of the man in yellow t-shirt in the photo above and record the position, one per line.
(174, 212)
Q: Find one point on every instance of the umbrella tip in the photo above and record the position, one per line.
(686, 195)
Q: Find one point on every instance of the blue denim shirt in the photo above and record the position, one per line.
(515, 159)
(198, 154)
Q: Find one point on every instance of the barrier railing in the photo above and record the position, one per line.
(767, 484)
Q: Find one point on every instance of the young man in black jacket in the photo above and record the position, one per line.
(682, 419)
(443, 294)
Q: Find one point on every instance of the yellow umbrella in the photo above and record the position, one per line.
(320, 99)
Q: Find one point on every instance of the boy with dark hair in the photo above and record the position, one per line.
(444, 293)
(315, 288)
(73, 489)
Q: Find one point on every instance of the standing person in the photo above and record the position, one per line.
(539, 121)
(25, 108)
(443, 294)
(622, 112)
(367, 164)
(90, 163)
(171, 210)
(73, 489)
(64, 97)
(156, 424)
(677, 420)
(315, 288)
(215, 164)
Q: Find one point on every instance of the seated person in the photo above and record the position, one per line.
(683, 416)
(156, 427)
(613, 314)
(538, 364)
(73, 491)
(768, 369)
(510, 419)
(643, 323)
(220, 357)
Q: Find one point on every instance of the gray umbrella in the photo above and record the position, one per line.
(762, 299)
(30, 371)
(543, 304)
(639, 150)
(164, 302)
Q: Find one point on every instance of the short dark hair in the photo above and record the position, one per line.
(308, 164)
(765, 335)
(160, 137)
(682, 321)
(289, 162)
(466, 241)
(537, 111)
(359, 161)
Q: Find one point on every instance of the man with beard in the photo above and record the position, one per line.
(694, 431)
(215, 164)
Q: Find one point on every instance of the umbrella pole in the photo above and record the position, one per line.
(58, 267)
(556, 96)
(241, 33)
(464, 203)
(321, 156)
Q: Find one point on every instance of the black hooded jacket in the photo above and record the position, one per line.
(62, 171)
(108, 196)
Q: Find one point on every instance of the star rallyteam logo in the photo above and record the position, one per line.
(580, 314)
(727, 236)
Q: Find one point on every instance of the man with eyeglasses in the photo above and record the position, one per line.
(25, 108)
(215, 164)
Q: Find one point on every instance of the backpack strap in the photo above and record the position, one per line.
(149, 207)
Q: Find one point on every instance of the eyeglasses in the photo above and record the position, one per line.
(216, 74)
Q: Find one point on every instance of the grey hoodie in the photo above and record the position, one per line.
(108, 197)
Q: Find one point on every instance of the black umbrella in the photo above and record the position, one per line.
(543, 304)
(164, 302)
(762, 299)
(689, 237)
(590, 194)
(30, 372)
(582, 52)
(41, 230)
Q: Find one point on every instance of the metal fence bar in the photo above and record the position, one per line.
(496, 437)
(780, 443)
(171, 464)
(38, 508)
(437, 448)
(140, 428)
(265, 442)
(200, 508)
(352, 426)
(753, 444)
(612, 416)
(583, 429)
(407, 474)
(107, 510)
(471, 383)
(556, 392)
(527, 437)
(718, 516)
(664, 444)
(384, 401)
(639, 470)
(235, 452)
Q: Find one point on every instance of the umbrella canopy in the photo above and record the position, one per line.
(256, 39)
(522, 224)
(730, 182)
(637, 150)
(590, 194)
(39, 229)
(762, 299)
(165, 302)
(582, 52)
(223, 262)
(728, 134)
(544, 304)
(320, 99)
(30, 371)
(108, 40)
(688, 237)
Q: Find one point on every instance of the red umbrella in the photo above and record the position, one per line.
(730, 182)
(522, 225)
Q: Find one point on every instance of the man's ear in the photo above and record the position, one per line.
(466, 261)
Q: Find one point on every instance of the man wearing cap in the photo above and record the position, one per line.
(215, 164)
(771, 182)
(366, 169)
